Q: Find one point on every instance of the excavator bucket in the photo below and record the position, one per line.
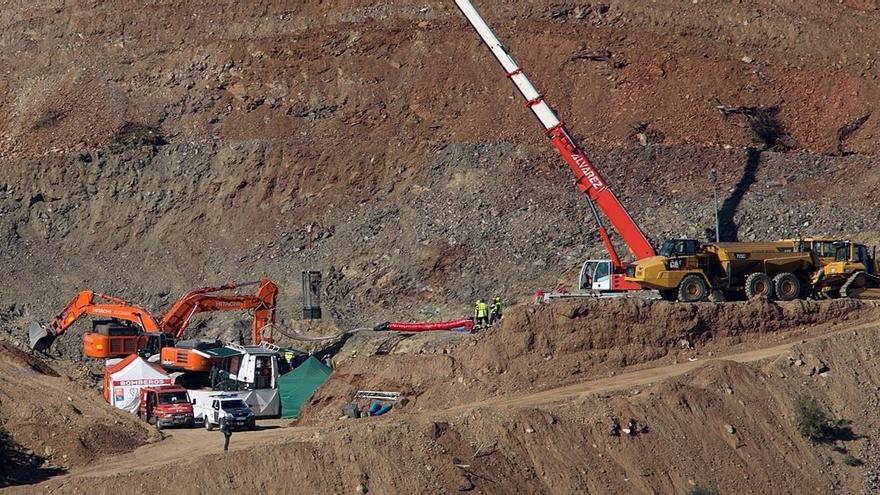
(41, 336)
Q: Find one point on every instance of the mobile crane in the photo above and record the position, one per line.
(132, 329)
(596, 275)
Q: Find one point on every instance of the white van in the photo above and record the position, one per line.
(229, 406)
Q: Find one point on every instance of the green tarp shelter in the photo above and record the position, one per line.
(297, 386)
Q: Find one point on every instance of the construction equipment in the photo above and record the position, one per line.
(247, 367)
(688, 271)
(822, 247)
(177, 318)
(133, 329)
(854, 272)
(89, 303)
(250, 372)
(596, 275)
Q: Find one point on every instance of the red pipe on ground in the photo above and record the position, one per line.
(465, 324)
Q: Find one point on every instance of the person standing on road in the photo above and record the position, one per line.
(481, 314)
(227, 433)
(497, 311)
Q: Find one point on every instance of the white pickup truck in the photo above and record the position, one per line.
(229, 406)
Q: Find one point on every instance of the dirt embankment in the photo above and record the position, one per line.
(537, 347)
(56, 424)
(728, 426)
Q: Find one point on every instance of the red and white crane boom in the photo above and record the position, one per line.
(588, 178)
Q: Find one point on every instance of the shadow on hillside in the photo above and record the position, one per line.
(841, 431)
(21, 468)
(728, 227)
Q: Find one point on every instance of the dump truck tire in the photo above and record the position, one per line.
(787, 287)
(759, 285)
(693, 289)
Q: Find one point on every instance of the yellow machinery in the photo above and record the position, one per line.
(687, 270)
(854, 272)
(823, 248)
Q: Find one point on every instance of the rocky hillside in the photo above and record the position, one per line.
(148, 150)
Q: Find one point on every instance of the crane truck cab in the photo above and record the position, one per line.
(688, 270)
(166, 405)
(596, 276)
(229, 406)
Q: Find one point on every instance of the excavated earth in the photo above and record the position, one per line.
(727, 423)
(146, 149)
(56, 423)
(538, 347)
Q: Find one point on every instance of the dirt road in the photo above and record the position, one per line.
(181, 445)
(643, 376)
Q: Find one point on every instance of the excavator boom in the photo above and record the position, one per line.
(42, 335)
(175, 321)
(185, 358)
(172, 324)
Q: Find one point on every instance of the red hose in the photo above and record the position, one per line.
(464, 323)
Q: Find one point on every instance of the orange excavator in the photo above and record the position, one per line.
(132, 329)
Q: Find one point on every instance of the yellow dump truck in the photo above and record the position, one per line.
(689, 271)
(853, 272)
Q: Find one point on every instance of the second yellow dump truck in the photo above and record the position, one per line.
(689, 271)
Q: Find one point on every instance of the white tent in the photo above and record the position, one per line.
(123, 381)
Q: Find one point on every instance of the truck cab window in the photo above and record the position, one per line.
(679, 247)
(862, 255)
(841, 253)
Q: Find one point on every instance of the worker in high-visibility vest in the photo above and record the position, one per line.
(496, 311)
(481, 314)
(289, 356)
